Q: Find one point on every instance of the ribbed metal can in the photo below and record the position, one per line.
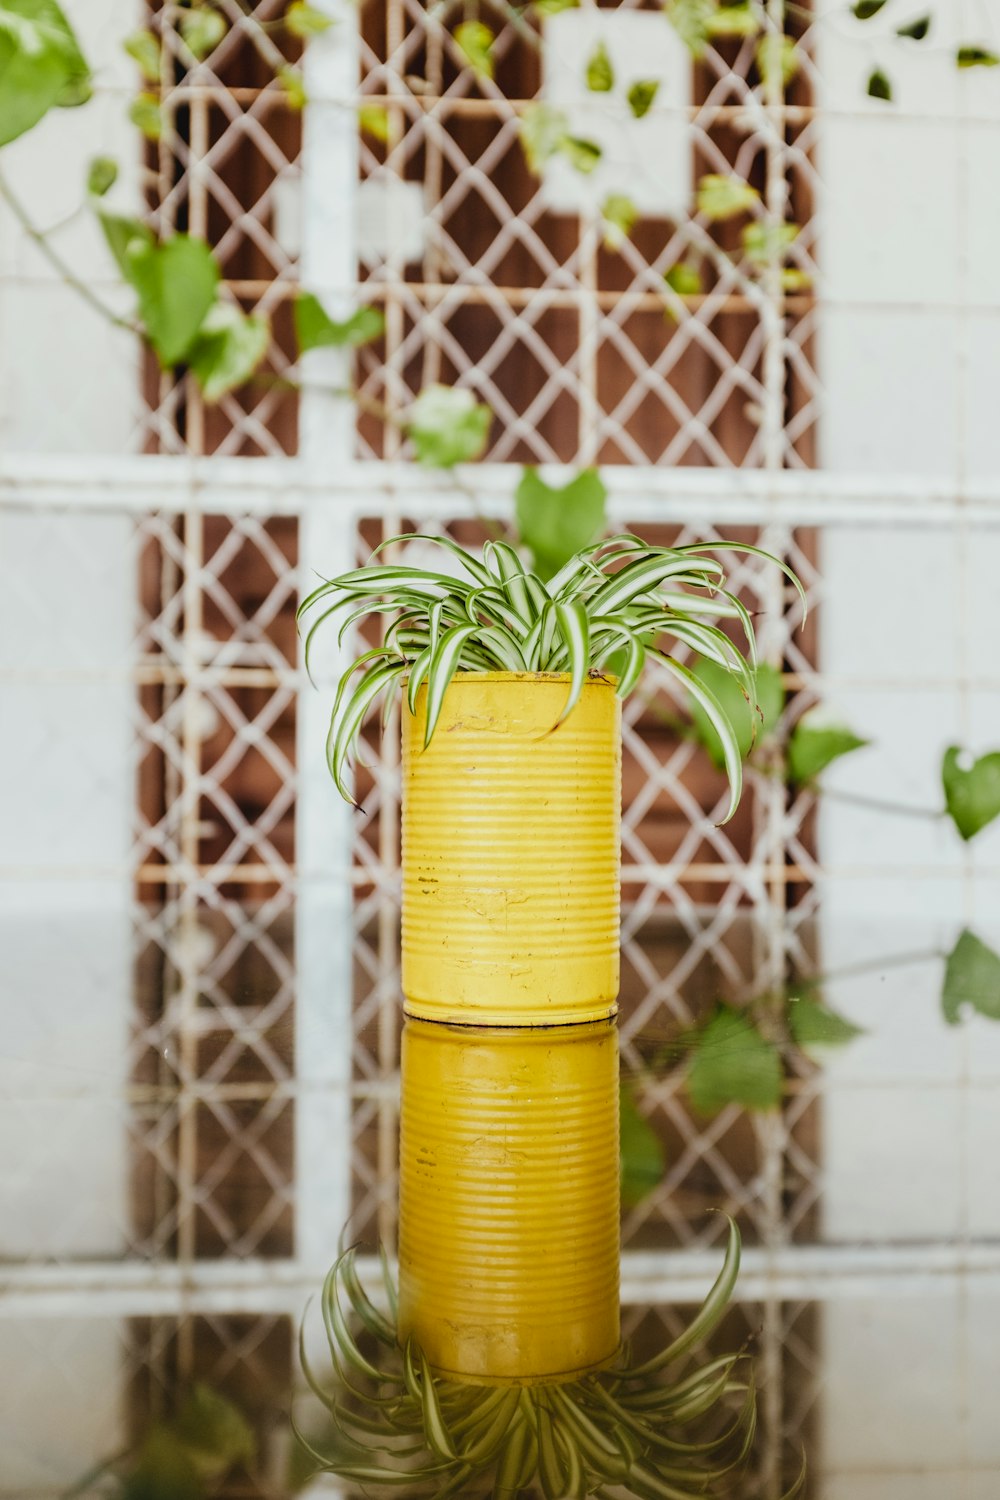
(509, 1200)
(511, 853)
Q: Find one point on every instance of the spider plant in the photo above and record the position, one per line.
(608, 608)
(653, 1429)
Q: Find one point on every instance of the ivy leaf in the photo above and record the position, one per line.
(293, 86)
(691, 19)
(745, 720)
(731, 1063)
(684, 279)
(600, 74)
(202, 30)
(448, 426)
(543, 130)
(765, 243)
(879, 86)
(619, 214)
(176, 284)
(734, 20)
(971, 977)
(475, 42)
(972, 792)
(722, 197)
(102, 175)
(777, 59)
(976, 57)
(228, 349)
(643, 1161)
(555, 522)
(122, 234)
(305, 20)
(865, 9)
(41, 65)
(375, 121)
(582, 154)
(315, 329)
(811, 1024)
(642, 96)
(813, 747)
(213, 1433)
(145, 114)
(144, 49)
(916, 29)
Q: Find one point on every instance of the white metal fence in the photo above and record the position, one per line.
(202, 940)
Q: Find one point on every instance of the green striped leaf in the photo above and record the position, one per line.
(443, 666)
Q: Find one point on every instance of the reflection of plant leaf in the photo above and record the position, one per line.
(164, 1471)
(642, 1155)
(865, 9)
(744, 719)
(971, 977)
(557, 521)
(811, 1024)
(447, 426)
(972, 793)
(648, 1429)
(213, 1432)
(813, 747)
(731, 1063)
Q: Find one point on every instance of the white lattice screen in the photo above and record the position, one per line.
(202, 940)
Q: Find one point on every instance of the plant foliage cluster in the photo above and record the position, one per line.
(606, 609)
(662, 1429)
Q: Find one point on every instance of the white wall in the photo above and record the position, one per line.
(68, 383)
(909, 354)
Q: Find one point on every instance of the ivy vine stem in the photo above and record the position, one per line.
(880, 804)
(66, 274)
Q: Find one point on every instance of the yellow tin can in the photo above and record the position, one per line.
(511, 852)
(509, 1200)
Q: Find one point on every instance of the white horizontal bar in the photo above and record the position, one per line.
(808, 1272)
(240, 486)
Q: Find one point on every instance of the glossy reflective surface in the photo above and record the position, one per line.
(174, 1181)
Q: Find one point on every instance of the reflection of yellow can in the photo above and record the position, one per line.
(511, 852)
(509, 1200)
